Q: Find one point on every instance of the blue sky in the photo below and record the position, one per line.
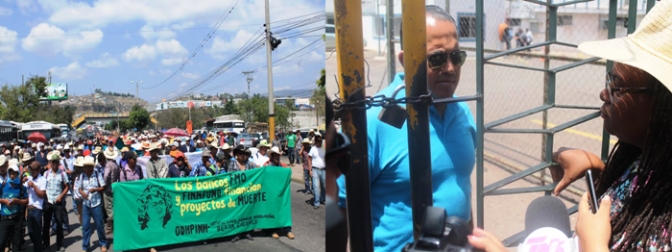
(107, 44)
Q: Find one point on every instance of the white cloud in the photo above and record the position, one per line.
(150, 33)
(5, 11)
(190, 75)
(26, 5)
(106, 60)
(8, 41)
(140, 53)
(47, 39)
(172, 51)
(70, 72)
(184, 25)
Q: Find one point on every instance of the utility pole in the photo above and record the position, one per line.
(269, 67)
(249, 80)
(137, 84)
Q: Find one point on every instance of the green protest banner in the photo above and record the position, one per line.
(157, 212)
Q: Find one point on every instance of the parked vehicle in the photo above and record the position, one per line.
(246, 140)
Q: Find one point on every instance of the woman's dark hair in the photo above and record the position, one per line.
(648, 212)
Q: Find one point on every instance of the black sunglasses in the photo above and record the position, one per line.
(438, 59)
(611, 88)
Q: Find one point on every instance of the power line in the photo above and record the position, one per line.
(200, 46)
(244, 52)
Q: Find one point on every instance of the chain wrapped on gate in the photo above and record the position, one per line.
(392, 113)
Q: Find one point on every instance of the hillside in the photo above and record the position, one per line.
(100, 102)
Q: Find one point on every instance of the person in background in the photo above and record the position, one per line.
(181, 167)
(316, 162)
(199, 145)
(156, 167)
(110, 174)
(202, 167)
(131, 171)
(307, 177)
(37, 186)
(299, 139)
(90, 186)
(260, 158)
(226, 157)
(242, 161)
(13, 199)
(57, 186)
(274, 161)
(41, 155)
(76, 197)
(289, 145)
(124, 159)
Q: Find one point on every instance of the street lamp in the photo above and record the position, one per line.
(137, 84)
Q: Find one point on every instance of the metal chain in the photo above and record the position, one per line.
(381, 101)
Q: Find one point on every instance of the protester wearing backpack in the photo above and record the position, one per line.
(90, 186)
(131, 171)
(57, 186)
(111, 175)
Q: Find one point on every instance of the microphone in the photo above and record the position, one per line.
(547, 227)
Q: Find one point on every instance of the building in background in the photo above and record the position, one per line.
(576, 23)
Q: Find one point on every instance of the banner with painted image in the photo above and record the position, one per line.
(158, 212)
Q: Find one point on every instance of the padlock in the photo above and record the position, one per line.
(394, 116)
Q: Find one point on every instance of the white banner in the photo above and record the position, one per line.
(192, 157)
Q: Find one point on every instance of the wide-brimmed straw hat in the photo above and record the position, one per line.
(110, 153)
(275, 150)
(648, 48)
(263, 143)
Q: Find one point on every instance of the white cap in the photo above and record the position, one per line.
(14, 168)
(3, 160)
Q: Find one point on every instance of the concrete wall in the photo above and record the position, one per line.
(306, 119)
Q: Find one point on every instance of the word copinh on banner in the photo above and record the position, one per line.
(169, 211)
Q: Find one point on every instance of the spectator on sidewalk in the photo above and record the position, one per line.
(316, 159)
(90, 186)
(275, 161)
(307, 177)
(289, 145)
(56, 189)
(299, 139)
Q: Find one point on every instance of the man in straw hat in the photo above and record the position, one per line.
(108, 160)
(57, 186)
(203, 167)
(260, 158)
(242, 161)
(156, 166)
(36, 185)
(13, 200)
(225, 156)
(90, 185)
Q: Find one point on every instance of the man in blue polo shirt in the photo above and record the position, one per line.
(452, 143)
(13, 197)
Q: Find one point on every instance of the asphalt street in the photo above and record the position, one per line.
(308, 229)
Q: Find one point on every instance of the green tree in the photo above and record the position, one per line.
(256, 110)
(21, 102)
(319, 93)
(139, 117)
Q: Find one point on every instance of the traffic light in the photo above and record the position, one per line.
(274, 43)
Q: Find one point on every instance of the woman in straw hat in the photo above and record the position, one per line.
(635, 213)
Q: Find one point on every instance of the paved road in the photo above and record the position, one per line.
(308, 227)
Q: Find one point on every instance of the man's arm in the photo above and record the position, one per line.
(38, 189)
(66, 188)
(151, 173)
